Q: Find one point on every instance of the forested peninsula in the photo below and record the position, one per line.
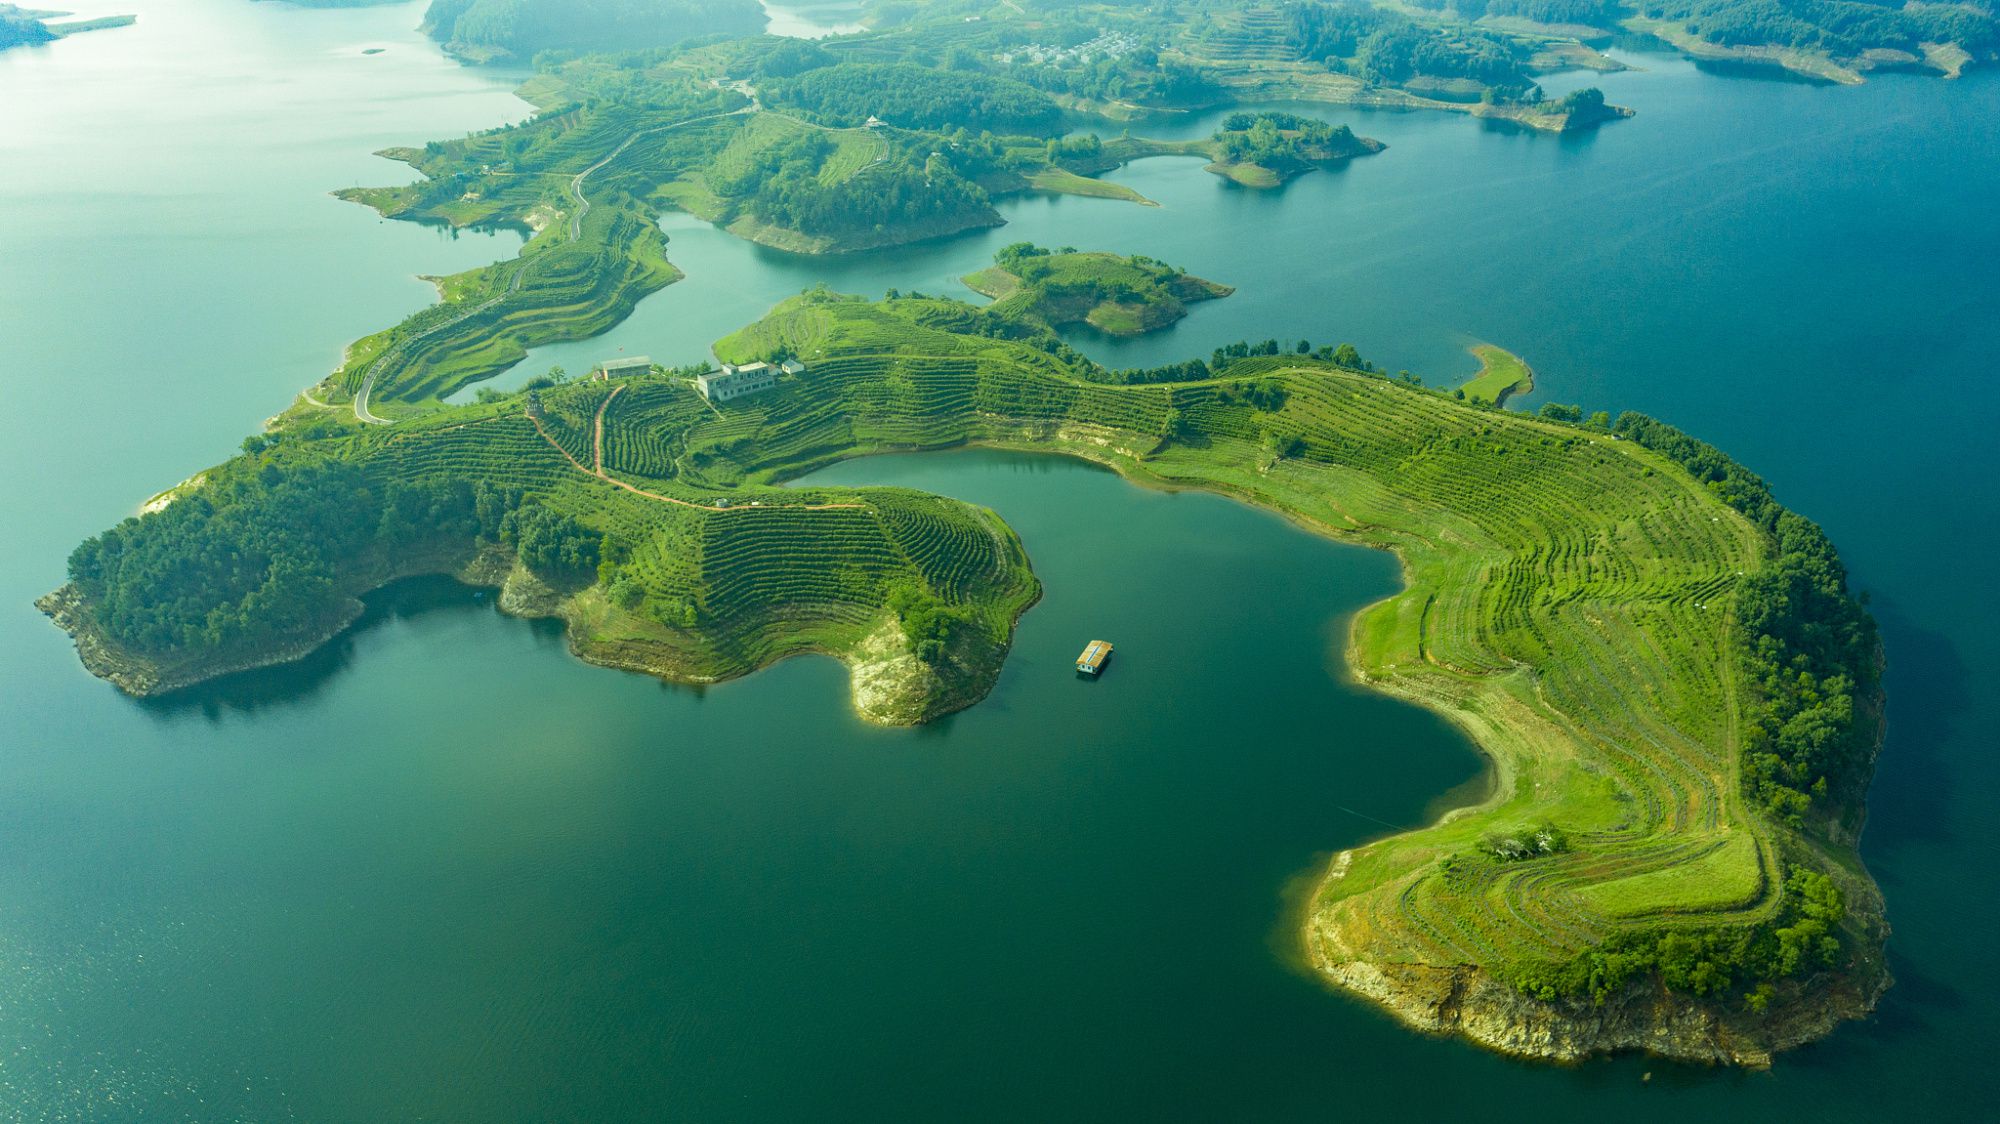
(1678, 694)
(1266, 149)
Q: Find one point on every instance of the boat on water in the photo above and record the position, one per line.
(1095, 655)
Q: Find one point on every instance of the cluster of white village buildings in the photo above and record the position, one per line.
(731, 380)
(1110, 45)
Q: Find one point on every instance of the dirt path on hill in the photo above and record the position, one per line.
(576, 182)
(638, 491)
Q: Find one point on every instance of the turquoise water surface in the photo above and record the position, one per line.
(443, 871)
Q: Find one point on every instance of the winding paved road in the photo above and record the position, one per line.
(576, 181)
(361, 410)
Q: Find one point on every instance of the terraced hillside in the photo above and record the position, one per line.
(1255, 32)
(1572, 601)
(575, 180)
(615, 146)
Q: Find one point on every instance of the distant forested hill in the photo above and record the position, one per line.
(487, 30)
(1440, 42)
(1387, 46)
(1840, 28)
(17, 28)
(916, 97)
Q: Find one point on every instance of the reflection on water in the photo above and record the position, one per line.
(1930, 696)
(297, 683)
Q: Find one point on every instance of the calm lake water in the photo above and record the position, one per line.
(814, 20)
(442, 871)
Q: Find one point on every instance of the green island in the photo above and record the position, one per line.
(1116, 295)
(1266, 149)
(21, 27)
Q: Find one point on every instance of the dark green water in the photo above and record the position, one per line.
(444, 872)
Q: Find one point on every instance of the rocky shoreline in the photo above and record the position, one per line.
(890, 686)
(1644, 1018)
(141, 677)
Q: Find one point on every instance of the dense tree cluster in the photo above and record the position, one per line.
(1811, 647)
(915, 97)
(1053, 53)
(523, 27)
(1386, 46)
(1267, 395)
(1018, 258)
(1399, 52)
(260, 554)
(256, 555)
(1333, 31)
(1242, 359)
(1282, 141)
(1142, 77)
(1188, 370)
(1842, 28)
(1584, 105)
(904, 189)
(1341, 355)
(789, 58)
(1085, 151)
(1065, 286)
(1845, 28)
(929, 623)
(1801, 939)
(551, 543)
(1814, 653)
(17, 27)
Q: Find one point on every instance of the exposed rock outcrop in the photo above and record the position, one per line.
(1645, 1017)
